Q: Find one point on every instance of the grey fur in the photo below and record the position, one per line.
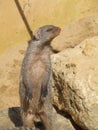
(35, 85)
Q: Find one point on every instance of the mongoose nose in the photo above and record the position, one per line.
(59, 29)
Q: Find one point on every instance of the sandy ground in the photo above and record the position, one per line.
(9, 76)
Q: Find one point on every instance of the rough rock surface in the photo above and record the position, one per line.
(75, 32)
(75, 73)
(76, 82)
(9, 76)
(10, 119)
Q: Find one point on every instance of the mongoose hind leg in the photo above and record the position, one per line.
(46, 116)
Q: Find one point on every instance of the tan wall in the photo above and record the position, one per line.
(38, 13)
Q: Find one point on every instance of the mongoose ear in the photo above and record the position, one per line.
(36, 35)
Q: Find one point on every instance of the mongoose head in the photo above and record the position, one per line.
(47, 33)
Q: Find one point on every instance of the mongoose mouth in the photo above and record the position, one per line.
(59, 29)
(57, 32)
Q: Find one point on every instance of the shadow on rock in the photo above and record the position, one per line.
(15, 116)
(67, 116)
(72, 122)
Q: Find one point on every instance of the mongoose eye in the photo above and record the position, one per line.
(50, 29)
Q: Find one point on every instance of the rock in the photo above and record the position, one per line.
(10, 119)
(75, 73)
(75, 32)
(75, 83)
(62, 123)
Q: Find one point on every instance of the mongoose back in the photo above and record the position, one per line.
(35, 77)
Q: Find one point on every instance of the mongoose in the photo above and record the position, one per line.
(35, 77)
